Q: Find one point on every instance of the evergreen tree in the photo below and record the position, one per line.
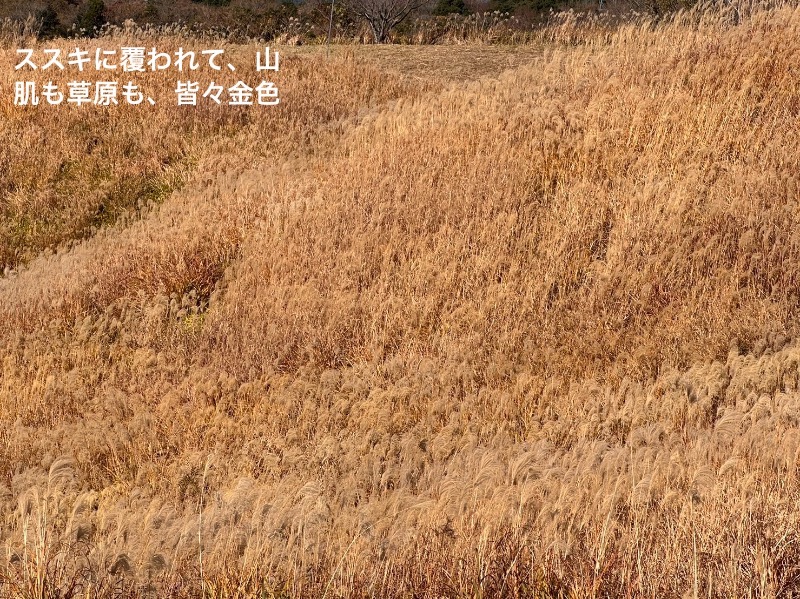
(91, 17)
(449, 7)
(49, 25)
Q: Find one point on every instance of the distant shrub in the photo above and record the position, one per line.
(514, 6)
(151, 10)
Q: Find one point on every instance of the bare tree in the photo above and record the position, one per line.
(383, 15)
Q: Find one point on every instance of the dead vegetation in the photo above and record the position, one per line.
(527, 336)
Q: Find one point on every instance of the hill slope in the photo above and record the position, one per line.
(532, 334)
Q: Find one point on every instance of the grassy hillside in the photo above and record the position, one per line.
(518, 334)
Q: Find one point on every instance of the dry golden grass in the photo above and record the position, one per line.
(448, 64)
(531, 335)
